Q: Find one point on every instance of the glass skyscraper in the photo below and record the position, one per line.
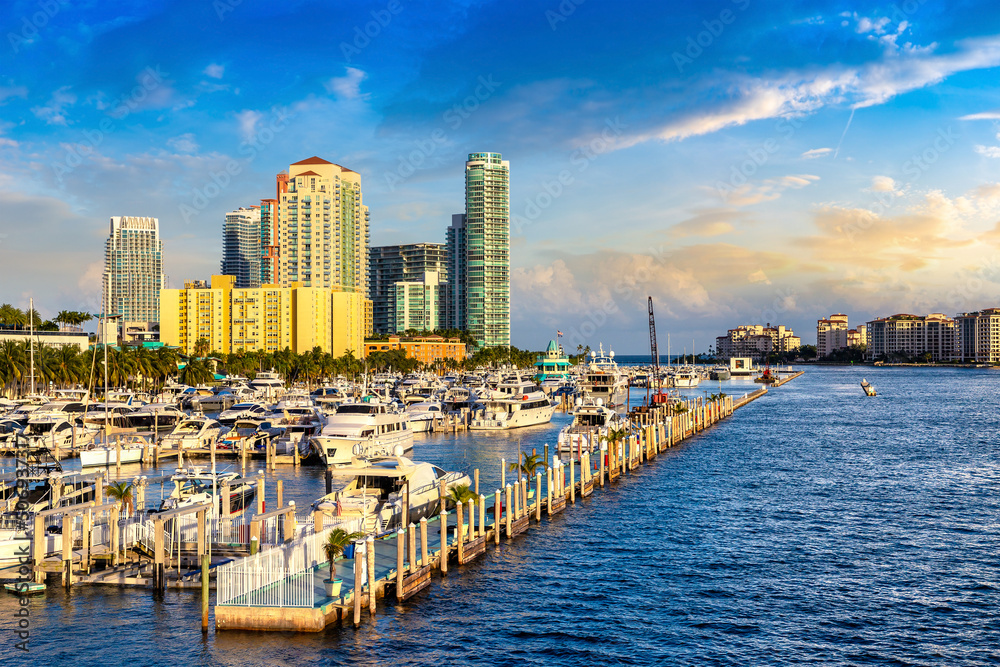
(133, 269)
(487, 249)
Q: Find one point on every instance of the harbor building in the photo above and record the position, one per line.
(979, 336)
(242, 253)
(756, 341)
(78, 339)
(425, 349)
(406, 285)
(484, 236)
(913, 336)
(133, 269)
(322, 228)
(268, 318)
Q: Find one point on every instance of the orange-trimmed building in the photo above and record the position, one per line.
(425, 349)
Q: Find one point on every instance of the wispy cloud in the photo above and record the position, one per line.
(54, 112)
(814, 153)
(347, 87)
(215, 71)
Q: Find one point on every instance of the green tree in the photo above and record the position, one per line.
(120, 492)
(336, 542)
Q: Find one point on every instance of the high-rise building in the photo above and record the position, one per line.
(455, 257)
(755, 340)
(831, 334)
(417, 304)
(269, 241)
(133, 269)
(242, 251)
(415, 263)
(487, 238)
(979, 336)
(268, 318)
(322, 227)
(913, 336)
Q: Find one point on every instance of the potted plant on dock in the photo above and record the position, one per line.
(336, 542)
(121, 492)
(460, 493)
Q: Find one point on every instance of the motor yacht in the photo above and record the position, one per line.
(192, 432)
(591, 423)
(513, 404)
(195, 486)
(242, 411)
(369, 428)
(422, 415)
(373, 490)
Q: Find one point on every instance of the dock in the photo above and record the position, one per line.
(282, 589)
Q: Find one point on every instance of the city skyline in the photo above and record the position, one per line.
(687, 153)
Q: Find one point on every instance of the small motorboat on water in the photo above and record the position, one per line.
(24, 588)
(867, 387)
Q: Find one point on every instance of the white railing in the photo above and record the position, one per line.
(278, 577)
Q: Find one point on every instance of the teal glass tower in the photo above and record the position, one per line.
(487, 251)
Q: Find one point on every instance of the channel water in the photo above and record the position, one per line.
(815, 525)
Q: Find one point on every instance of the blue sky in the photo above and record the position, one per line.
(741, 162)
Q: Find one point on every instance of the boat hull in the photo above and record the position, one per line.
(335, 450)
(106, 456)
(516, 419)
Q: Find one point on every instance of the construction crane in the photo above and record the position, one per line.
(659, 396)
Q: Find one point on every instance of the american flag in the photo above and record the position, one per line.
(558, 333)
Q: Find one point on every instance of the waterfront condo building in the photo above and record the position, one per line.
(133, 269)
(757, 341)
(322, 227)
(268, 317)
(833, 334)
(414, 265)
(913, 336)
(242, 249)
(979, 336)
(487, 249)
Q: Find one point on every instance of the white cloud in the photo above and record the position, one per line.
(759, 276)
(247, 120)
(799, 92)
(347, 87)
(54, 112)
(877, 26)
(883, 184)
(814, 153)
(215, 71)
(184, 143)
(984, 115)
(988, 151)
(767, 190)
(12, 91)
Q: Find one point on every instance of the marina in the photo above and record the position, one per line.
(753, 470)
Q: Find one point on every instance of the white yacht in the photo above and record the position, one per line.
(513, 404)
(602, 379)
(267, 384)
(193, 432)
(156, 415)
(243, 411)
(107, 455)
(591, 422)
(369, 428)
(55, 432)
(685, 377)
(372, 489)
(423, 414)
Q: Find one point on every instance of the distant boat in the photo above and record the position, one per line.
(24, 588)
(868, 388)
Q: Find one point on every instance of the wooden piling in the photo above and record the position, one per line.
(281, 493)
(370, 554)
(411, 548)
(260, 493)
(496, 515)
(476, 481)
(507, 513)
(400, 562)
(482, 515)
(444, 542)
(538, 497)
(358, 585)
(459, 532)
(572, 482)
(205, 564)
(424, 556)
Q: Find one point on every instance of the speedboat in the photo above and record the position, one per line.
(373, 490)
(422, 415)
(223, 400)
(192, 432)
(513, 404)
(590, 426)
(248, 434)
(55, 433)
(369, 428)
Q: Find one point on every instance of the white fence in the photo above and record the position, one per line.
(279, 577)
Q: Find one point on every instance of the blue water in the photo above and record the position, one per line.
(816, 525)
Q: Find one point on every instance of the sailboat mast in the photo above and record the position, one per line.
(104, 337)
(31, 339)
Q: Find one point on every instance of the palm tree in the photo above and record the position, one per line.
(528, 465)
(336, 542)
(460, 494)
(120, 492)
